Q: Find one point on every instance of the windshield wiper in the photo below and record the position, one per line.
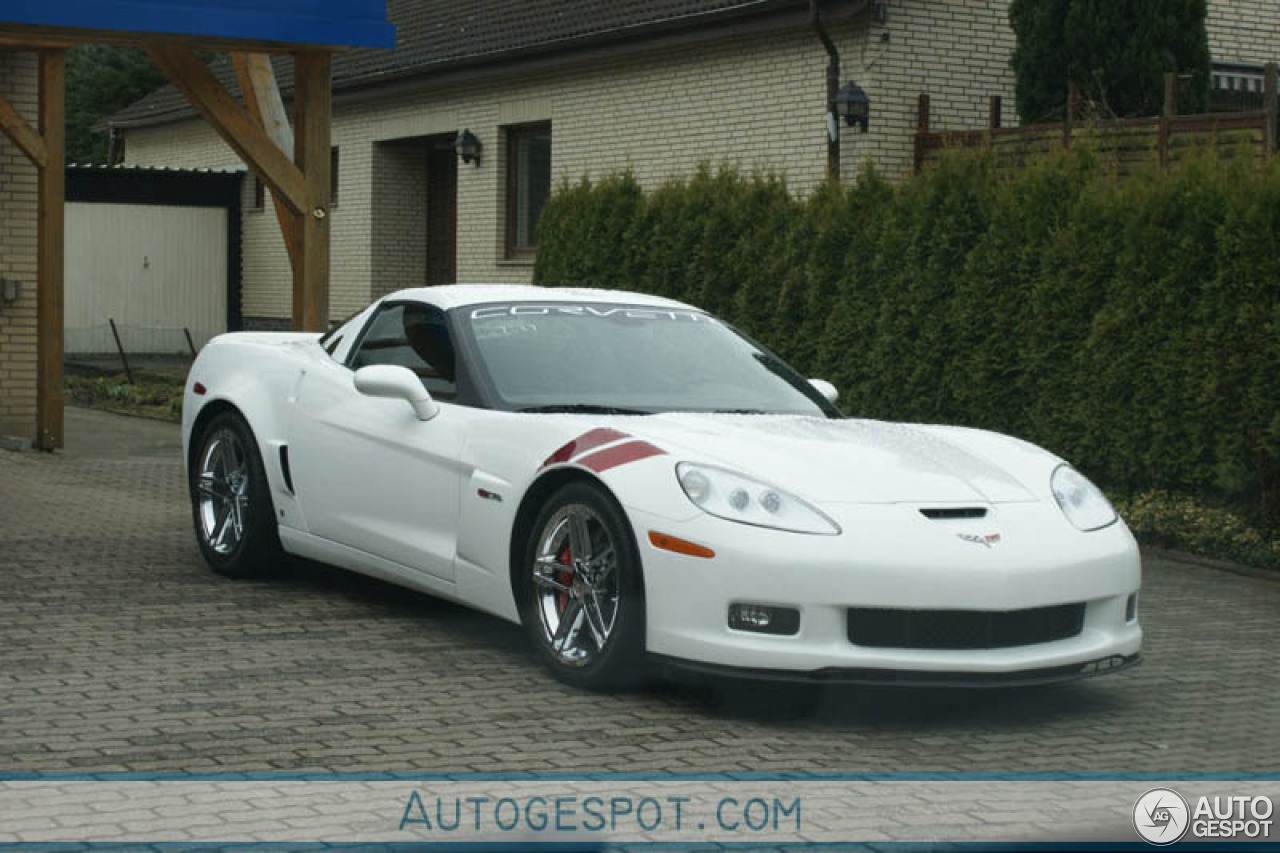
(581, 408)
(741, 412)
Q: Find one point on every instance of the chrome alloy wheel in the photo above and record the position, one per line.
(575, 582)
(223, 491)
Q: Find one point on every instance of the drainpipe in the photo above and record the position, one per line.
(833, 86)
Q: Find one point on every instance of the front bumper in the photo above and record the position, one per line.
(891, 556)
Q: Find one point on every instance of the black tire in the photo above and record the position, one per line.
(256, 551)
(620, 663)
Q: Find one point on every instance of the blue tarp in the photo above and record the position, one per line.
(333, 23)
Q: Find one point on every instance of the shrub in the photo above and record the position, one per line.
(1132, 327)
(1181, 521)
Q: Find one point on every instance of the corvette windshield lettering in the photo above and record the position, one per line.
(589, 311)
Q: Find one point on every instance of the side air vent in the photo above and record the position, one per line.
(284, 468)
(955, 513)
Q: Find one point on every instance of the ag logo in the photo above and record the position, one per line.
(1161, 816)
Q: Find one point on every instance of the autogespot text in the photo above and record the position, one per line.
(578, 813)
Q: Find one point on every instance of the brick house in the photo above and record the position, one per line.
(18, 85)
(554, 90)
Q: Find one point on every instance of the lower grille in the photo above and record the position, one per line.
(963, 629)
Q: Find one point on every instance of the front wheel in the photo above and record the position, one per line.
(581, 590)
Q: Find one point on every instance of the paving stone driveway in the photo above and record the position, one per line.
(120, 651)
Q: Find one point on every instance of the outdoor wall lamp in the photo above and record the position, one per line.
(468, 147)
(853, 105)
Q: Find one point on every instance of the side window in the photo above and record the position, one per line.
(413, 336)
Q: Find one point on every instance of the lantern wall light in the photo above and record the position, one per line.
(853, 105)
(468, 147)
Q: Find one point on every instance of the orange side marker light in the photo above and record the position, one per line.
(679, 546)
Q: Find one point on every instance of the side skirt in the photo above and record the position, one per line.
(335, 554)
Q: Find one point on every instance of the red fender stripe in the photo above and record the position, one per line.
(621, 454)
(580, 445)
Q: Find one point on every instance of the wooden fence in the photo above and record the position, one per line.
(1130, 142)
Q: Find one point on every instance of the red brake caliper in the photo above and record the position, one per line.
(565, 577)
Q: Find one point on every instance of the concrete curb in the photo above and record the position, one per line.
(1190, 559)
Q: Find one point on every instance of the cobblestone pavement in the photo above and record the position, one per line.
(120, 651)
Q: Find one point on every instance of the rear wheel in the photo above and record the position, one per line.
(582, 594)
(231, 501)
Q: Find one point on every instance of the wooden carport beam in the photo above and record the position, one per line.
(244, 136)
(265, 105)
(22, 134)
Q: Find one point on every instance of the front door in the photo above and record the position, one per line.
(368, 473)
(442, 215)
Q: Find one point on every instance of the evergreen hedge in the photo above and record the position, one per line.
(1131, 326)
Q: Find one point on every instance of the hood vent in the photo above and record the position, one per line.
(955, 513)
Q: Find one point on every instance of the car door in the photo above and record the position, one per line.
(367, 472)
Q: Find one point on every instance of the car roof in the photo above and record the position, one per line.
(451, 296)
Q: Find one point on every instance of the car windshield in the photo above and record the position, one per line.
(630, 359)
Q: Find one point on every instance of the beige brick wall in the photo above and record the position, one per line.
(18, 255)
(1244, 30)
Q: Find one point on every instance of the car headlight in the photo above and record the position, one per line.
(736, 497)
(1082, 502)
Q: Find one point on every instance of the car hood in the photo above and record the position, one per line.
(856, 461)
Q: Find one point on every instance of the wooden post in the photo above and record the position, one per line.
(312, 105)
(1270, 109)
(49, 249)
(994, 108)
(1166, 116)
(922, 127)
(1069, 120)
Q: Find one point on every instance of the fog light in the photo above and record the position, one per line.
(1131, 608)
(762, 619)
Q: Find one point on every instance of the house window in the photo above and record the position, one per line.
(259, 193)
(528, 184)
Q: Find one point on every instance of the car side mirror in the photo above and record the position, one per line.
(829, 392)
(397, 383)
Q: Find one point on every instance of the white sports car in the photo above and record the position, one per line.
(634, 481)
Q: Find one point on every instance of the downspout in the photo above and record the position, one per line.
(833, 86)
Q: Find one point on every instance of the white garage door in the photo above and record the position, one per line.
(154, 269)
